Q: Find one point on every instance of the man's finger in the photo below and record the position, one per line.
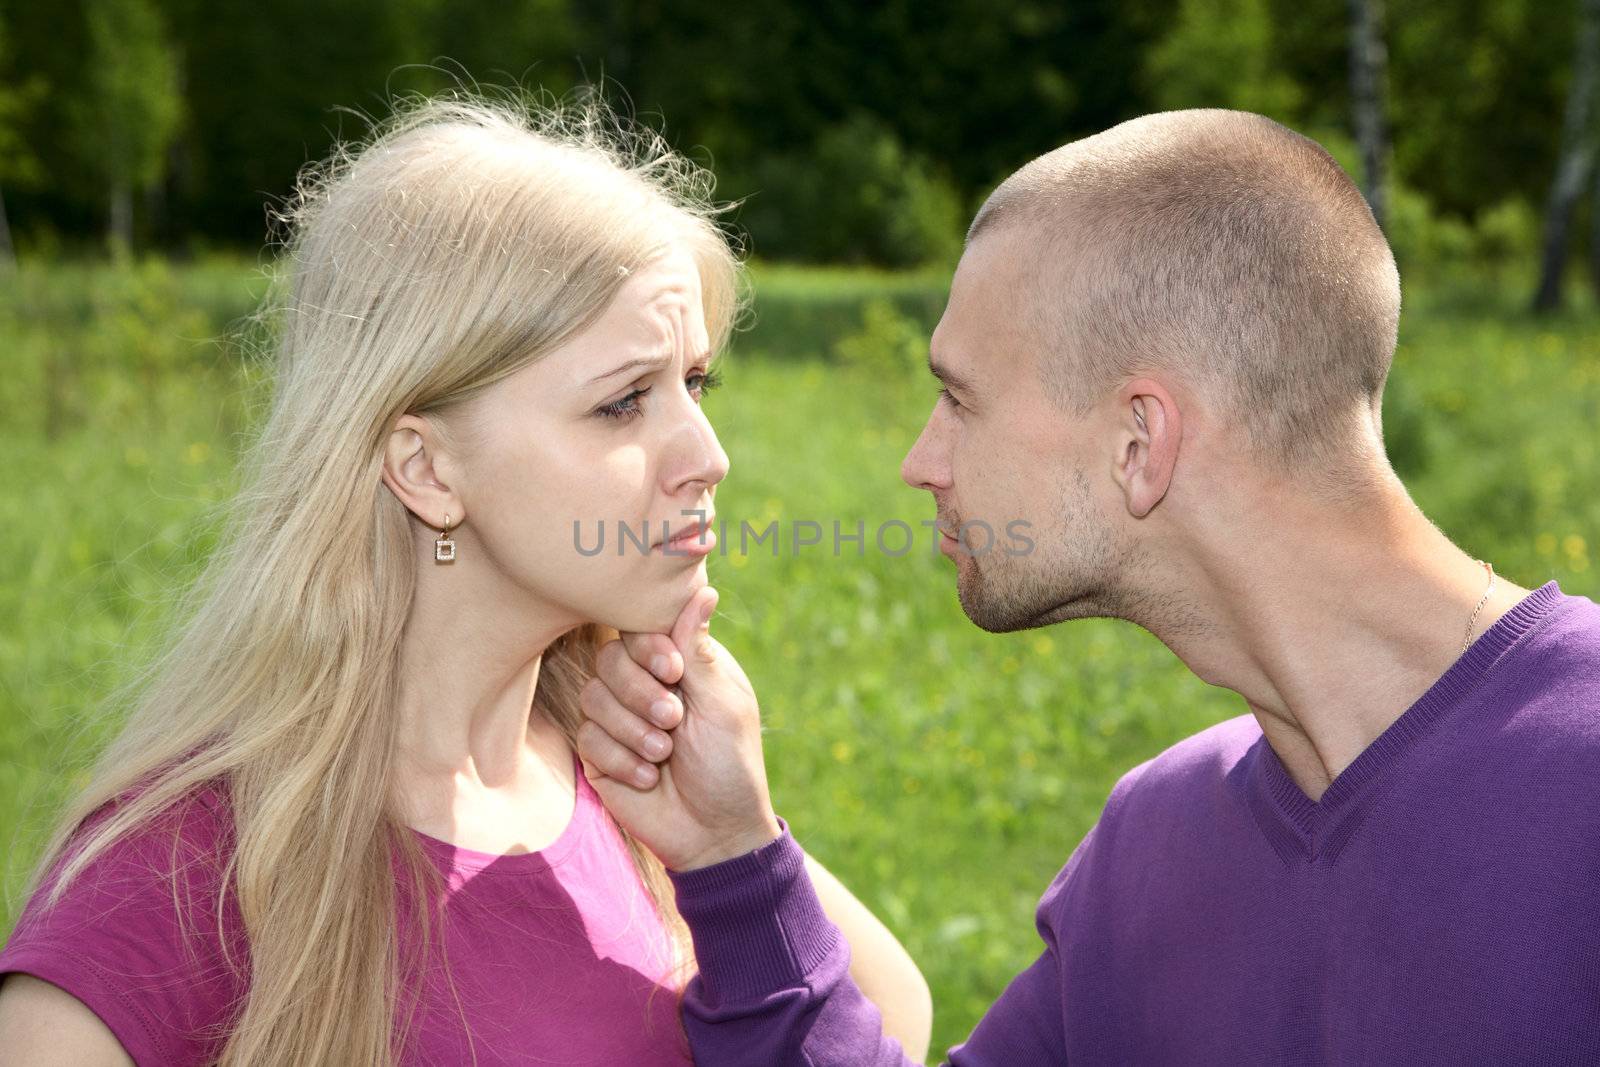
(687, 618)
(655, 653)
(636, 688)
(637, 735)
(611, 760)
(694, 622)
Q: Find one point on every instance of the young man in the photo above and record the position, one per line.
(1165, 349)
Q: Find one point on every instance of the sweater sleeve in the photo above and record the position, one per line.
(774, 986)
(134, 938)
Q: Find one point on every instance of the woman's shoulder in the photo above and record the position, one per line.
(184, 844)
(136, 934)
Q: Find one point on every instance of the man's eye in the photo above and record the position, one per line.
(944, 394)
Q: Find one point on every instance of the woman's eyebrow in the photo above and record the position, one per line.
(643, 361)
(649, 361)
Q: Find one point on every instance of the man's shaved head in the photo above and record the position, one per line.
(1221, 248)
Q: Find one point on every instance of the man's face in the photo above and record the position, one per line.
(1009, 468)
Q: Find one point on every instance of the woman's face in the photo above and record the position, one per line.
(603, 443)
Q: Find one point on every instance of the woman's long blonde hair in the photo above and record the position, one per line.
(468, 235)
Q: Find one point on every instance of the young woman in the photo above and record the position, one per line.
(344, 822)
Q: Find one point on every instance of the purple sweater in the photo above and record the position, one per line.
(1439, 904)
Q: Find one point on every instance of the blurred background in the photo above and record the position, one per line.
(943, 773)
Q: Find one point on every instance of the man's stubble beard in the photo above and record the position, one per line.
(1081, 572)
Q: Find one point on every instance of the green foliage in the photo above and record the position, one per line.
(17, 161)
(859, 133)
(888, 346)
(126, 118)
(1408, 436)
(1477, 89)
(943, 773)
(124, 347)
(856, 196)
(808, 311)
(1427, 241)
(1221, 53)
(1420, 236)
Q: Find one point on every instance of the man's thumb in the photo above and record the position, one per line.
(693, 629)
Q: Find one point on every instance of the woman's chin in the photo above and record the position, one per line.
(656, 609)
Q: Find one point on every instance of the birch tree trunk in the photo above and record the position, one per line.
(8, 253)
(119, 226)
(1576, 157)
(1594, 230)
(1368, 66)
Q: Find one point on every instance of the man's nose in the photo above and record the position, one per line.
(923, 468)
(908, 467)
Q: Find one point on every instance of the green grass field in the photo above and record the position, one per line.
(944, 773)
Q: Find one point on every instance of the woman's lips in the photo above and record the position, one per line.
(697, 541)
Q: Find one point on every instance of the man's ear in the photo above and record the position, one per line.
(1148, 430)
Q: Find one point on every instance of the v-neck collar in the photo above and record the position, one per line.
(1303, 830)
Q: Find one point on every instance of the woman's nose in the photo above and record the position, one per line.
(702, 458)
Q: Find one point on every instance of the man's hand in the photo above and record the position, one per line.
(708, 800)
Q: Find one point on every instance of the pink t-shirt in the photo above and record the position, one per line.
(557, 956)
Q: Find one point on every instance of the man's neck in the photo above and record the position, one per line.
(1333, 626)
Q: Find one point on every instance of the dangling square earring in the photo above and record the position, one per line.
(444, 549)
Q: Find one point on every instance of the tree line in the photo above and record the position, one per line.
(849, 130)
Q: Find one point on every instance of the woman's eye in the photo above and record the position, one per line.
(626, 408)
(702, 382)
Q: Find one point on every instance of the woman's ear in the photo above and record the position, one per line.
(411, 471)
